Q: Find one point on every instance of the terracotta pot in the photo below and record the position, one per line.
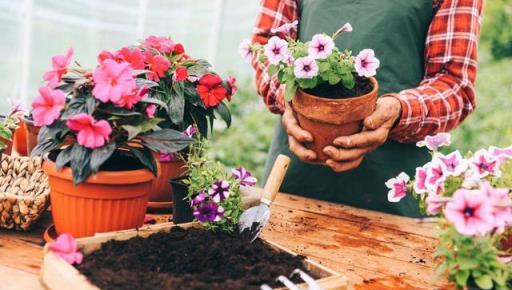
(20, 139)
(327, 119)
(181, 208)
(32, 132)
(104, 202)
(160, 197)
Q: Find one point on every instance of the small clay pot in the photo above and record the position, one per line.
(32, 133)
(19, 143)
(181, 208)
(160, 197)
(326, 119)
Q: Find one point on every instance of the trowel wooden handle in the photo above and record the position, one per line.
(275, 179)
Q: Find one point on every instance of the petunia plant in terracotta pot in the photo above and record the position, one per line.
(470, 199)
(330, 90)
(100, 139)
(186, 94)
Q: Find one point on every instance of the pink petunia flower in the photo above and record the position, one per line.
(286, 30)
(151, 110)
(485, 164)
(435, 203)
(471, 212)
(436, 175)
(397, 187)
(434, 142)
(158, 65)
(276, 50)
(366, 63)
(113, 81)
(47, 105)
(160, 43)
(321, 46)
(420, 179)
(305, 68)
(245, 50)
(190, 131)
(90, 132)
(345, 28)
(129, 101)
(454, 164)
(502, 205)
(244, 176)
(65, 247)
(133, 56)
(503, 154)
(60, 65)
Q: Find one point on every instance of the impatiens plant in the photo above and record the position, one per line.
(307, 65)
(138, 98)
(214, 192)
(471, 198)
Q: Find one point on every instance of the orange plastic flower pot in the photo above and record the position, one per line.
(104, 202)
(160, 196)
(20, 139)
(32, 132)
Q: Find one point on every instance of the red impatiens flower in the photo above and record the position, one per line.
(179, 49)
(181, 73)
(211, 90)
(158, 65)
(133, 56)
(160, 43)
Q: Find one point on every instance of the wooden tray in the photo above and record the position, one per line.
(56, 274)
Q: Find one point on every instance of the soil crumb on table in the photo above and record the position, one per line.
(187, 259)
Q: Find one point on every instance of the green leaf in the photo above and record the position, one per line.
(333, 79)
(64, 157)
(84, 103)
(155, 102)
(166, 141)
(5, 133)
(120, 112)
(307, 83)
(200, 68)
(202, 124)
(100, 155)
(484, 282)
(461, 277)
(140, 82)
(224, 113)
(45, 146)
(142, 126)
(272, 69)
(348, 81)
(177, 103)
(324, 66)
(80, 163)
(145, 157)
(467, 263)
(289, 92)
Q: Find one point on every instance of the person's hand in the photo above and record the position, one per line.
(348, 151)
(297, 136)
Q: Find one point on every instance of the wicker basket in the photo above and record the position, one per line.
(24, 191)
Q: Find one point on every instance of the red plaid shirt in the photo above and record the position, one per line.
(446, 95)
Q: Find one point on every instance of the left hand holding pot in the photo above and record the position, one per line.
(348, 151)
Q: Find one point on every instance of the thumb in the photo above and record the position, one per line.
(386, 108)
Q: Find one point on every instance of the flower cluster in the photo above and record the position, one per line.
(153, 88)
(66, 247)
(470, 194)
(307, 65)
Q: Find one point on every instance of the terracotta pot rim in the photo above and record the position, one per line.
(375, 88)
(102, 177)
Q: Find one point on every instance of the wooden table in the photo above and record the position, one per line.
(375, 251)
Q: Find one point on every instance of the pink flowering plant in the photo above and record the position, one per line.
(142, 99)
(215, 192)
(10, 122)
(470, 198)
(312, 64)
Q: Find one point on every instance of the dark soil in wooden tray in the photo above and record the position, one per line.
(187, 259)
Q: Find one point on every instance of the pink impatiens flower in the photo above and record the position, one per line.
(130, 100)
(90, 132)
(151, 110)
(276, 50)
(47, 105)
(454, 164)
(113, 81)
(502, 205)
(305, 68)
(434, 142)
(485, 164)
(133, 56)
(158, 65)
(397, 187)
(65, 247)
(366, 63)
(321, 46)
(60, 65)
(286, 30)
(160, 43)
(244, 49)
(471, 212)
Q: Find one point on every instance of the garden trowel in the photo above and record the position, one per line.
(255, 218)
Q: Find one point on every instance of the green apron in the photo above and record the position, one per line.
(396, 30)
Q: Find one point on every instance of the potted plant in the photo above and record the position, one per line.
(100, 136)
(330, 90)
(8, 125)
(470, 198)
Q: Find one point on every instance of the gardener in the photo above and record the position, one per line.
(428, 52)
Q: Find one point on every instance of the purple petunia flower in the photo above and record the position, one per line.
(219, 190)
(276, 50)
(208, 212)
(286, 29)
(434, 142)
(245, 50)
(366, 63)
(321, 46)
(244, 176)
(345, 28)
(198, 199)
(305, 68)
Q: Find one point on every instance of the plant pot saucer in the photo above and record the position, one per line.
(50, 234)
(159, 207)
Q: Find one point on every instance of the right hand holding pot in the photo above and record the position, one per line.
(297, 136)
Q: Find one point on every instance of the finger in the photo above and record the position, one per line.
(367, 138)
(344, 166)
(386, 111)
(302, 152)
(344, 155)
(293, 129)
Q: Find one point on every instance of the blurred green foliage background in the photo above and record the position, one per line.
(247, 141)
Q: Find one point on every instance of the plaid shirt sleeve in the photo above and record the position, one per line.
(442, 100)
